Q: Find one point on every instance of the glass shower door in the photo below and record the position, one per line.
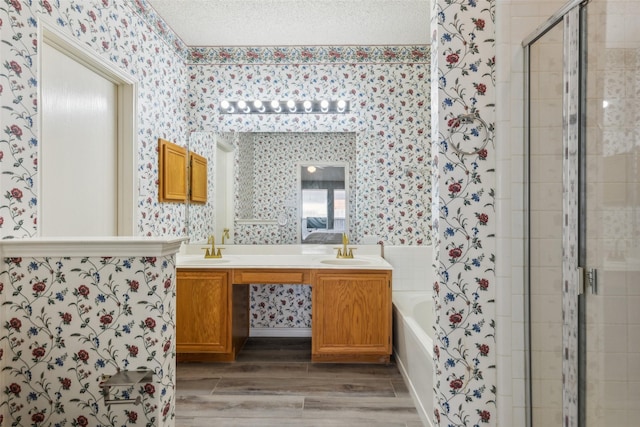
(612, 323)
(545, 228)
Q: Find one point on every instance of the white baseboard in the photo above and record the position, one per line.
(280, 332)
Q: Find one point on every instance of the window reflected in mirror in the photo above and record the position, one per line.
(323, 198)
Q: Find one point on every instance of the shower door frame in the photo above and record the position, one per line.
(572, 16)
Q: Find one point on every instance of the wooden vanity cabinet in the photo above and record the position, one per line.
(212, 317)
(351, 316)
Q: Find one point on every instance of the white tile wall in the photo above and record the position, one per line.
(412, 267)
(515, 19)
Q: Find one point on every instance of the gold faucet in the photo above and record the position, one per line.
(211, 251)
(225, 233)
(344, 252)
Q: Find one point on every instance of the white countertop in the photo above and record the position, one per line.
(366, 257)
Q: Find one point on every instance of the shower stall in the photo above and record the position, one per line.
(583, 204)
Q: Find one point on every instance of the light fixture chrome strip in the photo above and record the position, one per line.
(324, 106)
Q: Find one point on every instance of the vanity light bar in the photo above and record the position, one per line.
(291, 106)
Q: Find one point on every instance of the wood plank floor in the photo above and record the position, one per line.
(273, 383)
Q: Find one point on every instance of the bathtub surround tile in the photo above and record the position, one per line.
(412, 267)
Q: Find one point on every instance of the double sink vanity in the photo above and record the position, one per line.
(350, 298)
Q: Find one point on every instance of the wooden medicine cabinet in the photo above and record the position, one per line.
(175, 180)
(198, 178)
(172, 172)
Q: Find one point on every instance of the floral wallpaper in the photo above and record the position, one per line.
(389, 94)
(244, 174)
(114, 31)
(201, 216)
(391, 109)
(463, 76)
(280, 306)
(389, 115)
(387, 87)
(274, 180)
(53, 358)
(308, 55)
(69, 321)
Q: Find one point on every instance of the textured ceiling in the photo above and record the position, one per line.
(297, 22)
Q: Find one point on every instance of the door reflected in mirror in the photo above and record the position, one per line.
(264, 182)
(323, 202)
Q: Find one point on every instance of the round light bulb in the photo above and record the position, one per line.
(342, 104)
(242, 105)
(257, 103)
(307, 106)
(224, 104)
(311, 169)
(275, 104)
(324, 104)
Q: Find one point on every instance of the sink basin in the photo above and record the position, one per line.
(345, 261)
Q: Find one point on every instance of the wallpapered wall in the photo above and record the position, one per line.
(388, 87)
(244, 164)
(463, 73)
(274, 180)
(121, 37)
(389, 92)
(68, 321)
(201, 216)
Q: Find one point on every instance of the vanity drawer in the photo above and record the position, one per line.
(268, 276)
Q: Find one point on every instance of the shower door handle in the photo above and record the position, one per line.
(581, 279)
(587, 278)
(592, 280)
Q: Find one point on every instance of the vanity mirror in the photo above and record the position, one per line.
(266, 189)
